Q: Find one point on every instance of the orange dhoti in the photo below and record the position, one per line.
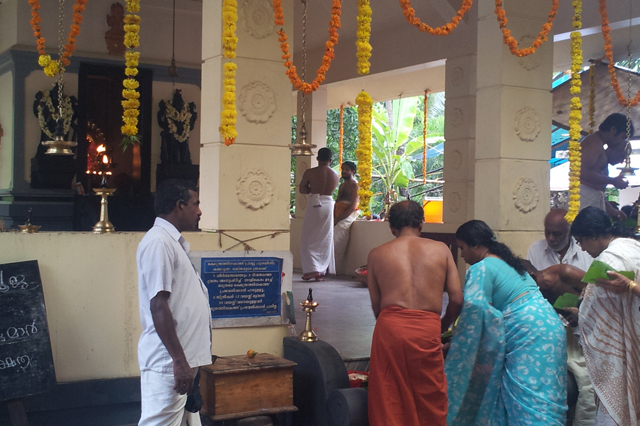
(407, 385)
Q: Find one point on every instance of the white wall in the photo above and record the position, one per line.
(8, 24)
(91, 300)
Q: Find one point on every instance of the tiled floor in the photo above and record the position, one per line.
(343, 319)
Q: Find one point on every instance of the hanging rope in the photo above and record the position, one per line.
(341, 133)
(424, 137)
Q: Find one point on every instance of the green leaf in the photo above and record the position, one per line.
(129, 140)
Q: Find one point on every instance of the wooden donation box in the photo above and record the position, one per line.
(238, 386)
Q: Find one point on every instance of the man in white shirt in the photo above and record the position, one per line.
(559, 247)
(174, 309)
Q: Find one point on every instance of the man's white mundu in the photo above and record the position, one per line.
(610, 325)
(316, 246)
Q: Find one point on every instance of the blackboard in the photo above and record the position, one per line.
(243, 286)
(26, 363)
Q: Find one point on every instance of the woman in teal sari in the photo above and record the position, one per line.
(507, 362)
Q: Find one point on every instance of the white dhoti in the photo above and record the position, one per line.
(586, 405)
(316, 245)
(590, 197)
(161, 405)
(341, 237)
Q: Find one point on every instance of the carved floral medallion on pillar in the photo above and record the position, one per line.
(455, 160)
(457, 76)
(529, 62)
(527, 124)
(257, 102)
(455, 202)
(525, 195)
(254, 189)
(457, 117)
(258, 18)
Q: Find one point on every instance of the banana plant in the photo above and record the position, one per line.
(392, 143)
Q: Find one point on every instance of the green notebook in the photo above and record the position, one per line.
(599, 270)
(567, 300)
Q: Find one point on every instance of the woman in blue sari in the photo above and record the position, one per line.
(507, 362)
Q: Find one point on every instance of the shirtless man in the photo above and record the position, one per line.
(316, 245)
(345, 210)
(594, 175)
(406, 279)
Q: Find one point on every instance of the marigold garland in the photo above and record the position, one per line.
(592, 98)
(410, 15)
(512, 42)
(229, 113)
(575, 114)
(424, 137)
(341, 133)
(364, 34)
(608, 51)
(363, 152)
(52, 67)
(328, 56)
(131, 103)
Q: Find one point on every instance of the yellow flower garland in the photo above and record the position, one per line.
(229, 44)
(592, 98)
(364, 34)
(131, 103)
(575, 114)
(363, 152)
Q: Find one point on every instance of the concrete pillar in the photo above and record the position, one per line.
(460, 135)
(244, 188)
(513, 125)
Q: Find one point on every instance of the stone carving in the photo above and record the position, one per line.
(115, 36)
(254, 189)
(529, 62)
(258, 21)
(456, 117)
(301, 202)
(455, 202)
(457, 76)
(455, 159)
(527, 124)
(257, 102)
(525, 195)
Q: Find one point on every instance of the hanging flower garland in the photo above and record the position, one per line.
(131, 103)
(424, 137)
(54, 113)
(364, 34)
(575, 115)
(52, 67)
(341, 133)
(334, 24)
(410, 15)
(363, 152)
(229, 113)
(608, 51)
(512, 42)
(592, 98)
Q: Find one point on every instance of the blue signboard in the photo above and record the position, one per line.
(243, 286)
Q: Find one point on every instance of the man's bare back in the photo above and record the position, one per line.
(412, 272)
(348, 191)
(321, 180)
(595, 161)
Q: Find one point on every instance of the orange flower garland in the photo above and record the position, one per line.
(424, 137)
(53, 67)
(410, 14)
(512, 42)
(334, 24)
(608, 51)
(341, 133)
